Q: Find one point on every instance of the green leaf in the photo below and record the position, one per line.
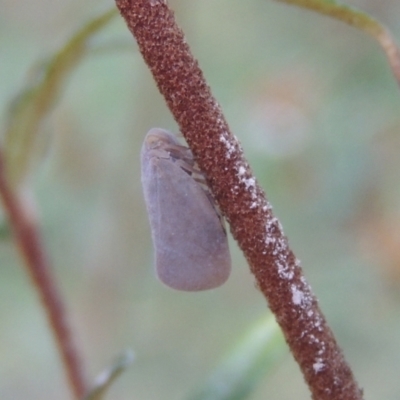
(30, 107)
(108, 376)
(248, 363)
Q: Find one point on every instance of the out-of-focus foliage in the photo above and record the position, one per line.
(108, 376)
(251, 360)
(30, 108)
(314, 104)
(360, 20)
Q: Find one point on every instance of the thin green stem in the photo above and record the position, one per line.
(359, 20)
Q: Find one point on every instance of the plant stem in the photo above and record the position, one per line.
(258, 232)
(28, 240)
(359, 20)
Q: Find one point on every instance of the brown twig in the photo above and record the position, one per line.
(28, 240)
(243, 202)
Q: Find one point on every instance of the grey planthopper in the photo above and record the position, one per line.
(191, 247)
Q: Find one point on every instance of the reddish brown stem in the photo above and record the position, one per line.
(259, 234)
(28, 240)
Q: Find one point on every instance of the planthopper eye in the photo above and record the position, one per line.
(190, 242)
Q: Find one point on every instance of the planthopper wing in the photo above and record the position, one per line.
(190, 242)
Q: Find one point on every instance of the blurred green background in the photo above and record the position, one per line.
(317, 111)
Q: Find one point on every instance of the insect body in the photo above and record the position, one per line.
(191, 248)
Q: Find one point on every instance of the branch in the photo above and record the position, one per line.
(28, 240)
(258, 232)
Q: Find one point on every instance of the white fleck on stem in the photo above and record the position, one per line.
(155, 2)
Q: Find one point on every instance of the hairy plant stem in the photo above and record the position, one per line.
(258, 232)
(28, 240)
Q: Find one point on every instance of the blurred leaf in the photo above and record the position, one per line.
(359, 20)
(109, 375)
(246, 365)
(5, 231)
(33, 104)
